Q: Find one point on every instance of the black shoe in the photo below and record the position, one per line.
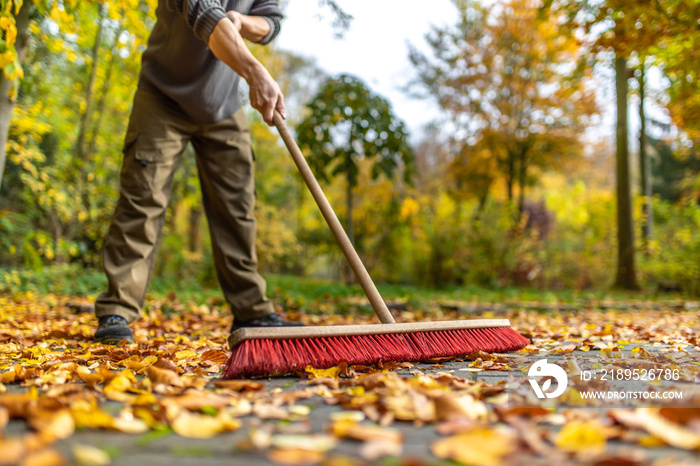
(270, 320)
(113, 329)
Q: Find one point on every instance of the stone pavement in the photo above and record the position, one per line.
(153, 449)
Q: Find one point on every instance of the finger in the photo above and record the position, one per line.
(268, 116)
(280, 107)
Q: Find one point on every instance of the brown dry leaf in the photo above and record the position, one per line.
(17, 404)
(295, 456)
(167, 364)
(163, 376)
(239, 385)
(673, 434)
(197, 401)
(479, 447)
(456, 426)
(449, 407)
(376, 449)
(87, 376)
(137, 364)
(215, 356)
(365, 432)
(483, 355)
(522, 411)
(582, 437)
(47, 457)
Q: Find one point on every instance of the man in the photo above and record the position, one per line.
(188, 92)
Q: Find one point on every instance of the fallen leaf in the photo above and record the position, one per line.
(87, 455)
(479, 447)
(450, 407)
(318, 443)
(4, 417)
(47, 457)
(239, 385)
(376, 449)
(332, 372)
(650, 420)
(365, 432)
(53, 425)
(164, 376)
(218, 357)
(581, 437)
(201, 426)
(295, 456)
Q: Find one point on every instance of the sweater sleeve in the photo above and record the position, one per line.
(201, 15)
(268, 9)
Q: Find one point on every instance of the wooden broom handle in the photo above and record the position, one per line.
(341, 237)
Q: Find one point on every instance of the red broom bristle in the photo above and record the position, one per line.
(261, 357)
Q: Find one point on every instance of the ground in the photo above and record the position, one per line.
(160, 401)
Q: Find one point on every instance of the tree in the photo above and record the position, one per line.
(14, 22)
(508, 84)
(349, 124)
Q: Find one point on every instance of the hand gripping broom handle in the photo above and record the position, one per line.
(341, 237)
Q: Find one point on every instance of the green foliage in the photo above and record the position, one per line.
(674, 254)
(348, 123)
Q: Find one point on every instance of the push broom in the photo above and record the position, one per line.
(281, 350)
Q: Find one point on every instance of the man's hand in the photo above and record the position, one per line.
(253, 28)
(265, 95)
(227, 44)
(235, 18)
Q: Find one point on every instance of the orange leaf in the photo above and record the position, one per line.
(218, 357)
(239, 385)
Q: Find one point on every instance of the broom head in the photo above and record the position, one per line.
(278, 351)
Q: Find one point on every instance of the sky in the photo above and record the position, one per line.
(374, 48)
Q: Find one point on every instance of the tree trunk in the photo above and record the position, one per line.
(7, 104)
(350, 230)
(194, 233)
(80, 148)
(522, 180)
(626, 270)
(511, 176)
(645, 171)
(102, 101)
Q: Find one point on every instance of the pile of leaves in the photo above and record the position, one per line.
(55, 379)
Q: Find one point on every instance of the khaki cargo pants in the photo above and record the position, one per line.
(155, 141)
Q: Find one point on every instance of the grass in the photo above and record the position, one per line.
(301, 293)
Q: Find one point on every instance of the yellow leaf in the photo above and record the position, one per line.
(90, 456)
(478, 447)
(332, 372)
(91, 418)
(582, 436)
(185, 354)
(192, 425)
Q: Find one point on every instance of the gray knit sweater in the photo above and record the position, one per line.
(178, 63)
